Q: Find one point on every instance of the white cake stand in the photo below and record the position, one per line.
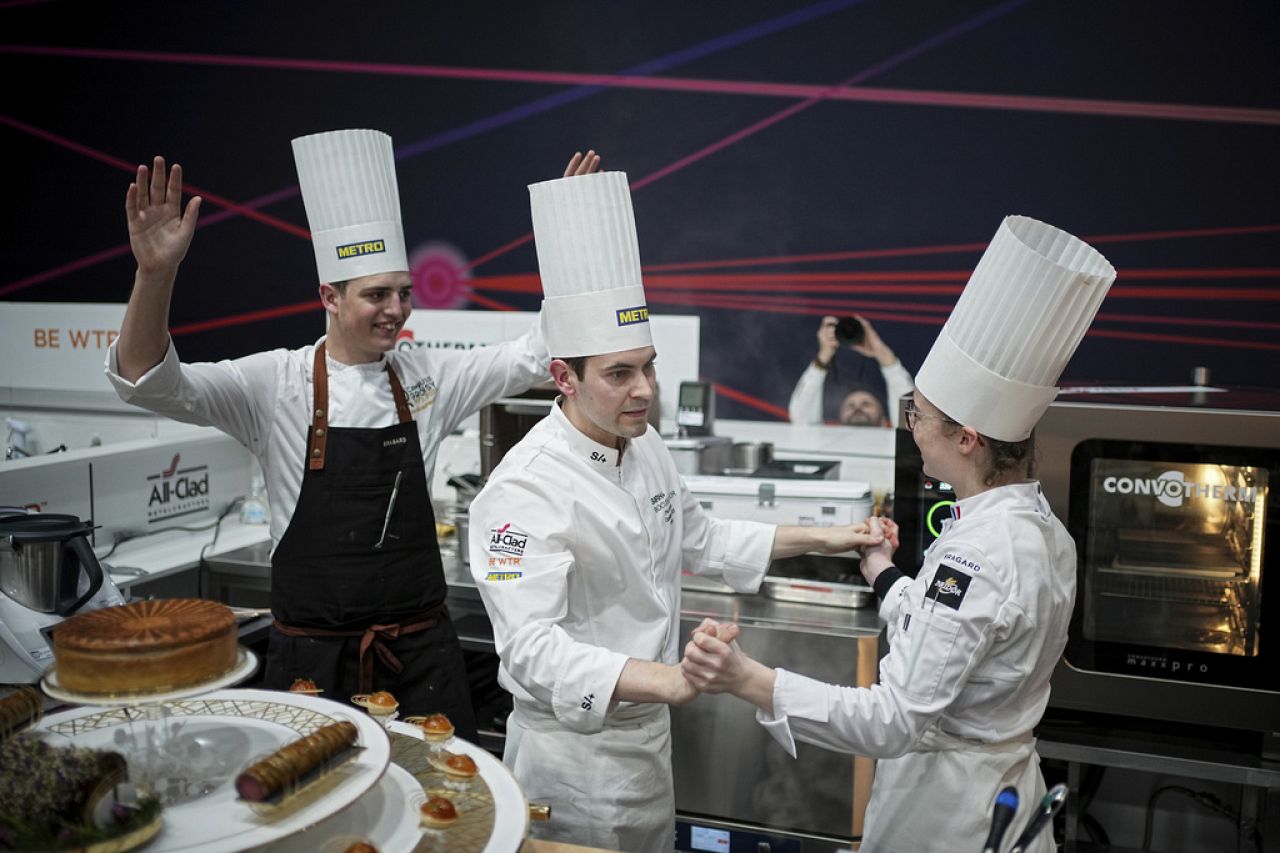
(147, 735)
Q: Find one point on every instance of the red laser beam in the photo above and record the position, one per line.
(1125, 335)
(907, 251)
(750, 400)
(491, 304)
(242, 319)
(131, 168)
(796, 91)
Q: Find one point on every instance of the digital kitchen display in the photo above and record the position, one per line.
(921, 504)
(937, 498)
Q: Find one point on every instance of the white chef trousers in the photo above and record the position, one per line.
(611, 789)
(940, 796)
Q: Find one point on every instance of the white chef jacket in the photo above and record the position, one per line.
(264, 400)
(577, 550)
(578, 556)
(972, 643)
(805, 407)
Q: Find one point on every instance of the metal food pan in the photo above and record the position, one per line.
(818, 592)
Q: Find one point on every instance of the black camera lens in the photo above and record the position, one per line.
(849, 331)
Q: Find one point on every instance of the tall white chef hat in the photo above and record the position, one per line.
(1020, 318)
(348, 180)
(589, 260)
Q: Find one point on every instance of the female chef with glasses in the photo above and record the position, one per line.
(975, 636)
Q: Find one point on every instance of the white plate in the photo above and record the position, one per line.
(510, 808)
(246, 665)
(219, 734)
(383, 816)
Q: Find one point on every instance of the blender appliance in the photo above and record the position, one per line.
(48, 571)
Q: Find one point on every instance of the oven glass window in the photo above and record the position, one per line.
(1173, 556)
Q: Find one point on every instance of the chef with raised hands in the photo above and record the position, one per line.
(975, 636)
(346, 430)
(579, 537)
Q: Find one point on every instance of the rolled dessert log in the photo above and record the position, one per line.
(19, 709)
(283, 768)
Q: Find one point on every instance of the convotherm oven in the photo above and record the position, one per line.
(1172, 500)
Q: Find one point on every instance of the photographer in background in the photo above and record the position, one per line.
(859, 406)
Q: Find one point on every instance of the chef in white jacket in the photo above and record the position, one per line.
(975, 636)
(346, 430)
(579, 537)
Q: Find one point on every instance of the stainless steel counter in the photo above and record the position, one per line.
(243, 577)
(714, 738)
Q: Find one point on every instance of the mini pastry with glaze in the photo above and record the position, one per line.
(379, 704)
(455, 765)
(438, 812)
(436, 728)
(304, 685)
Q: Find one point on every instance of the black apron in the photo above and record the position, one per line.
(357, 586)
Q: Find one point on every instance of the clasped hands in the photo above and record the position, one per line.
(714, 663)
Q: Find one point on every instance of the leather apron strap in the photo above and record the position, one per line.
(320, 407)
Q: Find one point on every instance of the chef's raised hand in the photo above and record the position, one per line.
(159, 230)
(828, 343)
(159, 234)
(873, 346)
(582, 164)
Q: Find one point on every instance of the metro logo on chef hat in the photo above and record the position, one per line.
(348, 180)
(1028, 304)
(589, 261)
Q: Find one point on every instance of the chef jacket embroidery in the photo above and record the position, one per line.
(421, 394)
(663, 504)
(948, 587)
(507, 540)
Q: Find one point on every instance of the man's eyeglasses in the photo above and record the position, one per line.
(914, 415)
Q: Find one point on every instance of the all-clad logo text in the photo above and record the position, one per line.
(507, 540)
(1172, 487)
(178, 491)
(631, 316)
(367, 247)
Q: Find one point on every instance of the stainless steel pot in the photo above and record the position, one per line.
(708, 454)
(463, 522)
(750, 455)
(41, 556)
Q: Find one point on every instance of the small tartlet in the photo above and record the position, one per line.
(456, 765)
(306, 686)
(438, 812)
(380, 703)
(436, 727)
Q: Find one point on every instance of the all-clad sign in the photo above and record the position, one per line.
(177, 491)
